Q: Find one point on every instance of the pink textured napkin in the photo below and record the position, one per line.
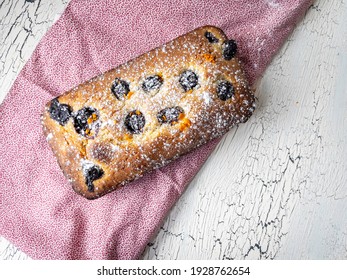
(39, 212)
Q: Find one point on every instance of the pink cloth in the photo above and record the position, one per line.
(39, 212)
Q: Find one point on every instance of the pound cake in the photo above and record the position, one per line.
(147, 112)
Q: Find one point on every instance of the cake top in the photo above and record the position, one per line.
(149, 110)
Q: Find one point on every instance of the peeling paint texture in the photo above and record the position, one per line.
(276, 187)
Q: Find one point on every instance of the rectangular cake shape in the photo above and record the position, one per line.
(145, 113)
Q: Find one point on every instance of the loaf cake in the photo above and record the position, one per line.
(147, 112)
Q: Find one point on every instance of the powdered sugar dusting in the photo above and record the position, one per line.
(206, 97)
(86, 164)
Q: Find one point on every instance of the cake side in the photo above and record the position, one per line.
(143, 114)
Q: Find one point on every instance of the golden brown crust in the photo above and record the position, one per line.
(124, 156)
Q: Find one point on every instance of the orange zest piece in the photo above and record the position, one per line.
(127, 137)
(130, 93)
(185, 124)
(181, 116)
(83, 148)
(92, 118)
(209, 57)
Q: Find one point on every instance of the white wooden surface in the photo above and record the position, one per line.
(275, 187)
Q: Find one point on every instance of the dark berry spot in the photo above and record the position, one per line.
(188, 80)
(169, 115)
(211, 38)
(120, 88)
(85, 122)
(225, 90)
(134, 122)
(152, 83)
(60, 112)
(91, 174)
(229, 48)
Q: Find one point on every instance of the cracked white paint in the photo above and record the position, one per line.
(276, 187)
(22, 25)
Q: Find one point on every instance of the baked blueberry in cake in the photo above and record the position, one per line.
(170, 115)
(59, 112)
(120, 88)
(134, 122)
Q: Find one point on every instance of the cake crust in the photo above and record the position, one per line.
(147, 112)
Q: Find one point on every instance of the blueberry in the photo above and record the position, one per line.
(60, 112)
(152, 83)
(188, 80)
(120, 88)
(84, 120)
(91, 174)
(210, 37)
(134, 122)
(225, 90)
(169, 115)
(229, 48)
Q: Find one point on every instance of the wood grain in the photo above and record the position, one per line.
(276, 187)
